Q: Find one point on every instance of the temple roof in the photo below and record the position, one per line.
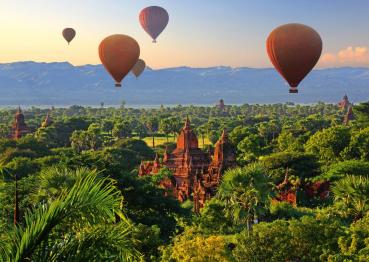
(349, 116)
(344, 103)
(48, 121)
(224, 152)
(19, 115)
(187, 138)
(19, 127)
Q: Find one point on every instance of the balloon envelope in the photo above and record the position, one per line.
(153, 20)
(139, 67)
(69, 34)
(294, 50)
(118, 54)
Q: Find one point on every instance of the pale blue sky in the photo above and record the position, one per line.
(200, 32)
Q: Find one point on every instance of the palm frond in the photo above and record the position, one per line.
(98, 243)
(352, 195)
(92, 199)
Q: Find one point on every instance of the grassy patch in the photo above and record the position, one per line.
(162, 140)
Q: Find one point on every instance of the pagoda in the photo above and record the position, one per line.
(186, 162)
(196, 174)
(224, 156)
(19, 127)
(221, 104)
(150, 168)
(348, 116)
(344, 103)
(48, 121)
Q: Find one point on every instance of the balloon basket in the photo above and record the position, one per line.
(154, 41)
(294, 90)
(118, 85)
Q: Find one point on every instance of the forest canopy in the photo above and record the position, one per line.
(70, 190)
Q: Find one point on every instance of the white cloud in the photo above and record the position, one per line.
(350, 56)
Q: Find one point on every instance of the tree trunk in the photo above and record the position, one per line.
(248, 227)
(16, 202)
(153, 141)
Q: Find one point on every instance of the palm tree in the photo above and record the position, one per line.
(79, 225)
(245, 191)
(53, 182)
(351, 195)
(6, 173)
(153, 125)
(201, 131)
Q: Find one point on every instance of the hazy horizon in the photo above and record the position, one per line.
(179, 66)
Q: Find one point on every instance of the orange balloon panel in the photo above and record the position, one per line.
(139, 67)
(294, 50)
(118, 54)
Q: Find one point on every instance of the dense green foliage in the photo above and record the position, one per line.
(80, 199)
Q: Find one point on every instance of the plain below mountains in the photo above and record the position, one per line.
(31, 83)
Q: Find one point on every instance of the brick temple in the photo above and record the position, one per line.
(221, 104)
(196, 173)
(48, 121)
(346, 107)
(19, 127)
(344, 104)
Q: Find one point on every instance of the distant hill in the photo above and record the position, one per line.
(31, 83)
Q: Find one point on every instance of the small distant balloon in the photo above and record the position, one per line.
(294, 49)
(153, 20)
(69, 34)
(139, 67)
(118, 54)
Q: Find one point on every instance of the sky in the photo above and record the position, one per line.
(200, 33)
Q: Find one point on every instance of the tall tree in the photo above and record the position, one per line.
(361, 111)
(351, 195)
(328, 143)
(245, 192)
(152, 124)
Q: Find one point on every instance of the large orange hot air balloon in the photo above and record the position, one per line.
(294, 50)
(139, 67)
(69, 34)
(154, 19)
(118, 54)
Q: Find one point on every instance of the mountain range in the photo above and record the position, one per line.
(32, 83)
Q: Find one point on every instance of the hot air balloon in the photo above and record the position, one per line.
(69, 34)
(294, 50)
(139, 67)
(154, 19)
(118, 54)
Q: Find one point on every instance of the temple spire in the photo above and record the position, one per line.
(19, 127)
(187, 125)
(166, 154)
(344, 103)
(187, 139)
(348, 116)
(48, 121)
(157, 162)
(224, 134)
